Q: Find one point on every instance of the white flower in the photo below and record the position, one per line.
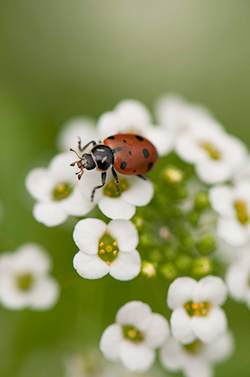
(233, 206)
(196, 359)
(216, 155)
(56, 190)
(130, 116)
(83, 127)
(177, 115)
(238, 277)
(25, 280)
(135, 192)
(106, 249)
(196, 311)
(132, 340)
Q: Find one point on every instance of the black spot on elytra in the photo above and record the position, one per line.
(134, 171)
(124, 141)
(139, 137)
(111, 137)
(130, 152)
(145, 152)
(150, 165)
(123, 165)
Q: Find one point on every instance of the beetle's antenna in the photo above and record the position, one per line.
(72, 150)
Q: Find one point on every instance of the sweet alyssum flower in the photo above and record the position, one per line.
(196, 312)
(134, 192)
(238, 277)
(216, 155)
(106, 249)
(197, 358)
(233, 206)
(25, 280)
(132, 340)
(131, 116)
(56, 190)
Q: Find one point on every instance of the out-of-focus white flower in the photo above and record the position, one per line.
(25, 280)
(238, 277)
(196, 359)
(216, 155)
(69, 133)
(135, 192)
(132, 340)
(233, 206)
(106, 249)
(196, 312)
(177, 115)
(56, 191)
(131, 116)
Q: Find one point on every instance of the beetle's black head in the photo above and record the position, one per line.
(85, 161)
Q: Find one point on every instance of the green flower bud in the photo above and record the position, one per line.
(168, 271)
(201, 201)
(172, 175)
(194, 217)
(186, 243)
(179, 192)
(183, 262)
(138, 221)
(155, 255)
(206, 246)
(201, 267)
(145, 239)
(169, 253)
(148, 270)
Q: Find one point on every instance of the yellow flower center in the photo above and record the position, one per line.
(213, 152)
(62, 191)
(133, 334)
(241, 209)
(108, 248)
(197, 308)
(110, 188)
(24, 281)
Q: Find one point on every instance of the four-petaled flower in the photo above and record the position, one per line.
(196, 312)
(132, 340)
(106, 249)
(25, 280)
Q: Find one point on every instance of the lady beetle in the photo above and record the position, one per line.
(127, 154)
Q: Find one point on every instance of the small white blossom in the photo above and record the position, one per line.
(135, 192)
(56, 191)
(25, 280)
(238, 278)
(196, 359)
(216, 155)
(132, 340)
(233, 206)
(75, 128)
(106, 249)
(131, 116)
(196, 312)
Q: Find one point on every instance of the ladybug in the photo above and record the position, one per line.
(127, 154)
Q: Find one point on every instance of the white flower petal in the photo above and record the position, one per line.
(171, 355)
(180, 291)
(188, 149)
(234, 151)
(116, 208)
(197, 367)
(49, 213)
(136, 357)
(10, 296)
(125, 233)
(232, 232)
(127, 266)
(135, 313)
(45, 294)
(140, 192)
(89, 180)
(181, 326)
(108, 124)
(76, 205)
(39, 184)
(31, 257)
(131, 110)
(210, 327)
(60, 170)
(90, 266)
(221, 349)
(110, 342)
(221, 199)
(87, 234)
(210, 289)
(157, 332)
(237, 280)
(161, 138)
(213, 171)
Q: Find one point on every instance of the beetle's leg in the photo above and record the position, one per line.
(117, 149)
(73, 163)
(81, 149)
(116, 180)
(104, 176)
(142, 177)
(79, 174)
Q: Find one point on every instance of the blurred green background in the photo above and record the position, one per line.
(62, 58)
